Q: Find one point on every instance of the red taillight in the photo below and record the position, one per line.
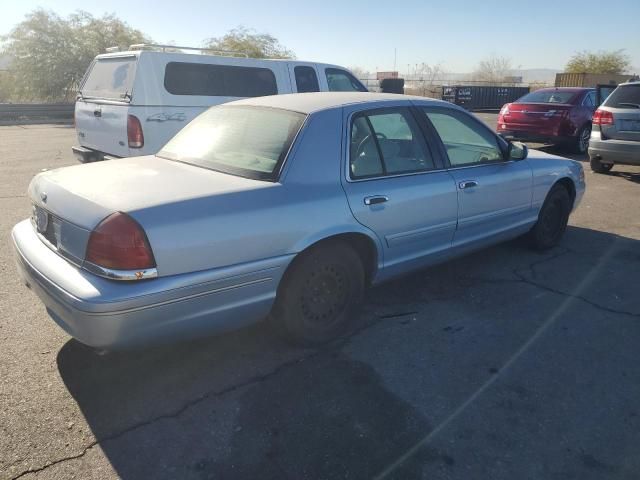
(505, 109)
(134, 132)
(119, 243)
(602, 117)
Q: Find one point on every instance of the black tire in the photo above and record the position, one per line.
(319, 294)
(599, 167)
(581, 142)
(552, 219)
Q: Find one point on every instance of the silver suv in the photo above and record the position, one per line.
(615, 136)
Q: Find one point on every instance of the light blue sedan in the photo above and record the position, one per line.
(288, 205)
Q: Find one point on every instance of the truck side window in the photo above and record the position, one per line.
(182, 78)
(342, 81)
(306, 79)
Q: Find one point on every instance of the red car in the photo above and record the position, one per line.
(561, 116)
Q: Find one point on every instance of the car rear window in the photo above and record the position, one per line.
(625, 96)
(183, 78)
(110, 78)
(547, 96)
(240, 140)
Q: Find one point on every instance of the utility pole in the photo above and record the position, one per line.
(395, 57)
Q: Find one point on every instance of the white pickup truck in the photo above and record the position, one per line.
(132, 102)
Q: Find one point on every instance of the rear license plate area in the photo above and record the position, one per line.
(46, 225)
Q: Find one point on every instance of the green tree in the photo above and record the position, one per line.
(599, 62)
(49, 54)
(254, 44)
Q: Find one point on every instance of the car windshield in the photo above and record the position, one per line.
(626, 96)
(245, 141)
(547, 96)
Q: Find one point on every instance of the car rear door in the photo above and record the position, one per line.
(103, 104)
(396, 186)
(494, 193)
(624, 104)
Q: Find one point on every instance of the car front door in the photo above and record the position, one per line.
(494, 193)
(397, 186)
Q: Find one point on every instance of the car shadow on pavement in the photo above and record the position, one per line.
(245, 405)
(630, 176)
(563, 152)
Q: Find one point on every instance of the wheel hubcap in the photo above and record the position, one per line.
(325, 295)
(584, 139)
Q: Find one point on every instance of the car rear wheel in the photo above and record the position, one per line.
(319, 294)
(552, 220)
(581, 143)
(599, 167)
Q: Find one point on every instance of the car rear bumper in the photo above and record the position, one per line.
(86, 155)
(107, 314)
(534, 137)
(615, 151)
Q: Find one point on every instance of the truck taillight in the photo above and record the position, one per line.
(119, 243)
(134, 132)
(602, 117)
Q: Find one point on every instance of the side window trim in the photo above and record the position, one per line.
(438, 159)
(501, 142)
(431, 138)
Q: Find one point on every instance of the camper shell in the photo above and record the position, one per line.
(132, 102)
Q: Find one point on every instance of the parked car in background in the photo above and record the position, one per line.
(132, 102)
(289, 205)
(560, 116)
(615, 137)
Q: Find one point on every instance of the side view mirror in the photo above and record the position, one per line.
(518, 151)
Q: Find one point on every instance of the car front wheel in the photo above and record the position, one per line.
(552, 220)
(320, 294)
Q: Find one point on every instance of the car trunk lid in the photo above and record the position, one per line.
(76, 199)
(536, 113)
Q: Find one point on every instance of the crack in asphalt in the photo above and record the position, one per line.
(336, 345)
(176, 413)
(531, 267)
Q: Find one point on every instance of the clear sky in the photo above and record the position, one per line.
(540, 34)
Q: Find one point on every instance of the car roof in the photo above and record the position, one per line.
(313, 102)
(565, 89)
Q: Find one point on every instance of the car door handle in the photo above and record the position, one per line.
(375, 199)
(97, 113)
(467, 184)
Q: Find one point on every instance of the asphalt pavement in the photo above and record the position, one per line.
(504, 364)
